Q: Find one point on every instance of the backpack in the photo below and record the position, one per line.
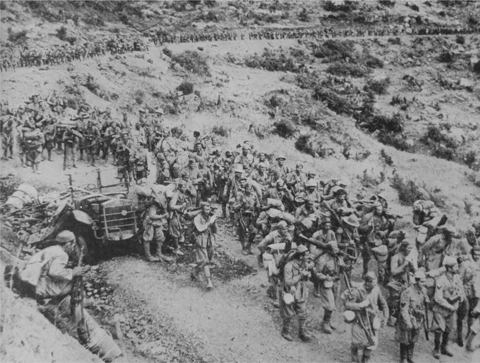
(33, 269)
(287, 257)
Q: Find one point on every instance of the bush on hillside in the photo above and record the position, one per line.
(221, 130)
(386, 158)
(62, 35)
(377, 86)
(186, 88)
(335, 102)
(334, 50)
(347, 69)
(192, 61)
(393, 140)
(285, 128)
(408, 191)
(387, 3)
(442, 146)
(372, 123)
(460, 39)
(346, 7)
(446, 57)
(278, 60)
(304, 145)
(476, 67)
(17, 37)
(371, 62)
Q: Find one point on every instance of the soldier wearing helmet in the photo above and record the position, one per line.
(469, 270)
(448, 296)
(444, 244)
(246, 207)
(279, 192)
(412, 315)
(367, 300)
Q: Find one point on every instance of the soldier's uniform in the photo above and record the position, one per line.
(357, 301)
(140, 164)
(91, 138)
(411, 318)
(69, 140)
(49, 134)
(154, 225)
(7, 138)
(246, 206)
(449, 294)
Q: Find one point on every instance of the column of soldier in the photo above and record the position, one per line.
(46, 125)
(58, 54)
(310, 230)
(162, 37)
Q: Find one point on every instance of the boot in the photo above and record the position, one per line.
(327, 329)
(148, 256)
(302, 331)
(403, 353)
(206, 270)
(161, 256)
(436, 350)
(410, 352)
(460, 333)
(354, 354)
(366, 355)
(443, 348)
(286, 329)
(470, 337)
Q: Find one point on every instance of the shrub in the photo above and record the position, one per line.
(387, 3)
(372, 62)
(378, 86)
(167, 52)
(386, 158)
(374, 123)
(391, 139)
(221, 130)
(278, 60)
(91, 84)
(408, 191)
(61, 33)
(17, 37)
(185, 87)
(347, 69)
(333, 50)
(476, 67)
(335, 102)
(192, 61)
(304, 145)
(434, 136)
(445, 57)
(460, 39)
(139, 96)
(285, 128)
(470, 158)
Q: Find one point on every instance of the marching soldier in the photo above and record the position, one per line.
(69, 140)
(413, 303)
(295, 276)
(91, 137)
(49, 134)
(366, 301)
(154, 224)
(205, 231)
(140, 164)
(326, 276)
(177, 206)
(469, 273)
(449, 294)
(246, 206)
(7, 138)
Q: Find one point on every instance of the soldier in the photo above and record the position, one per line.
(205, 231)
(469, 272)
(154, 224)
(245, 158)
(366, 301)
(413, 302)
(441, 245)
(280, 192)
(449, 294)
(177, 206)
(246, 206)
(7, 139)
(140, 164)
(123, 162)
(296, 180)
(295, 276)
(281, 170)
(69, 140)
(402, 266)
(373, 227)
(49, 134)
(33, 143)
(326, 277)
(92, 137)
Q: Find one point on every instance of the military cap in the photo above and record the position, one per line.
(65, 237)
(420, 275)
(351, 220)
(311, 183)
(370, 276)
(449, 261)
(302, 249)
(281, 157)
(282, 225)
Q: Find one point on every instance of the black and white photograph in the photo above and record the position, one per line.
(240, 181)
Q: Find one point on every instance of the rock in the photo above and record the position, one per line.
(466, 83)
(152, 348)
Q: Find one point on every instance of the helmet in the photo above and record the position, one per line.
(310, 183)
(302, 249)
(351, 220)
(449, 261)
(370, 276)
(281, 157)
(65, 237)
(349, 316)
(282, 225)
(420, 275)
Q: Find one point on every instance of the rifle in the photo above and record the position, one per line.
(77, 292)
(425, 321)
(366, 326)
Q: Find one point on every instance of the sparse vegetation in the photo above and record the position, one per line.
(285, 128)
(442, 146)
(347, 69)
(17, 37)
(408, 191)
(62, 34)
(377, 86)
(193, 62)
(186, 88)
(221, 130)
(278, 60)
(304, 144)
(387, 159)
